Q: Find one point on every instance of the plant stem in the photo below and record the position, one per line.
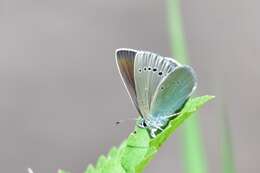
(228, 164)
(194, 157)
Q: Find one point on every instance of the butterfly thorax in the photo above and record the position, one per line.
(155, 124)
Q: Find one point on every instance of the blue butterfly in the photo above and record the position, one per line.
(158, 86)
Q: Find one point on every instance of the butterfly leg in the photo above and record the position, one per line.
(152, 133)
(173, 115)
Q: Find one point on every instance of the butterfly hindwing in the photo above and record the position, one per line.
(149, 70)
(173, 91)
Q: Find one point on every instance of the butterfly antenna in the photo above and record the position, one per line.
(125, 120)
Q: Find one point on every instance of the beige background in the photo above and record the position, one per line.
(60, 92)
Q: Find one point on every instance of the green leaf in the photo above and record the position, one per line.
(192, 106)
(134, 154)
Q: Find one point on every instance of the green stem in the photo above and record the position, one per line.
(228, 164)
(194, 157)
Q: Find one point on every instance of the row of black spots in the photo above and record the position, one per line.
(149, 69)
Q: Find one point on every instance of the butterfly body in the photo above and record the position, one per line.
(158, 86)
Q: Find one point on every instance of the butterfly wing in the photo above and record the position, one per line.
(125, 61)
(173, 91)
(149, 70)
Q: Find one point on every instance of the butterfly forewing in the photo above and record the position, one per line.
(173, 92)
(149, 70)
(125, 61)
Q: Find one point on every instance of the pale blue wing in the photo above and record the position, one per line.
(149, 70)
(125, 62)
(173, 92)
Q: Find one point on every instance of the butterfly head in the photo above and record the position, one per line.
(153, 124)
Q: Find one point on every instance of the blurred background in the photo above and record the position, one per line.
(61, 94)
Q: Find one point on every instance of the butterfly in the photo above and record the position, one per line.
(158, 86)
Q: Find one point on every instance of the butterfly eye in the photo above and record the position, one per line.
(154, 69)
(160, 73)
(149, 68)
(145, 69)
(140, 70)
